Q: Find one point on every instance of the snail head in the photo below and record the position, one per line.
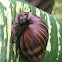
(19, 25)
(23, 18)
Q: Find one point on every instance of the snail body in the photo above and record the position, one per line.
(33, 35)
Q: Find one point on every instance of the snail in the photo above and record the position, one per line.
(32, 33)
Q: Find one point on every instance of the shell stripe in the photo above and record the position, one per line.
(42, 30)
(33, 36)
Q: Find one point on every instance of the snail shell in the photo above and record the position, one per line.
(33, 35)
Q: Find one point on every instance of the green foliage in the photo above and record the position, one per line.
(52, 3)
(10, 52)
(57, 9)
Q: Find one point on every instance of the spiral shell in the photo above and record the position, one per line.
(34, 40)
(33, 36)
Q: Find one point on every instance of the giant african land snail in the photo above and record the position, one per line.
(32, 33)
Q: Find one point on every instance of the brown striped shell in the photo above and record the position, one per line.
(33, 35)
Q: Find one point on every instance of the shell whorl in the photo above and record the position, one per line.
(34, 40)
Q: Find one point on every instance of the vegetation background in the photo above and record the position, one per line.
(10, 52)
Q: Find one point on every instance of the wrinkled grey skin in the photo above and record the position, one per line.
(19, 25)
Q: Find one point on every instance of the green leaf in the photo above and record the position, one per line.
(57, 9)
(9, 52)
(52, 3)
